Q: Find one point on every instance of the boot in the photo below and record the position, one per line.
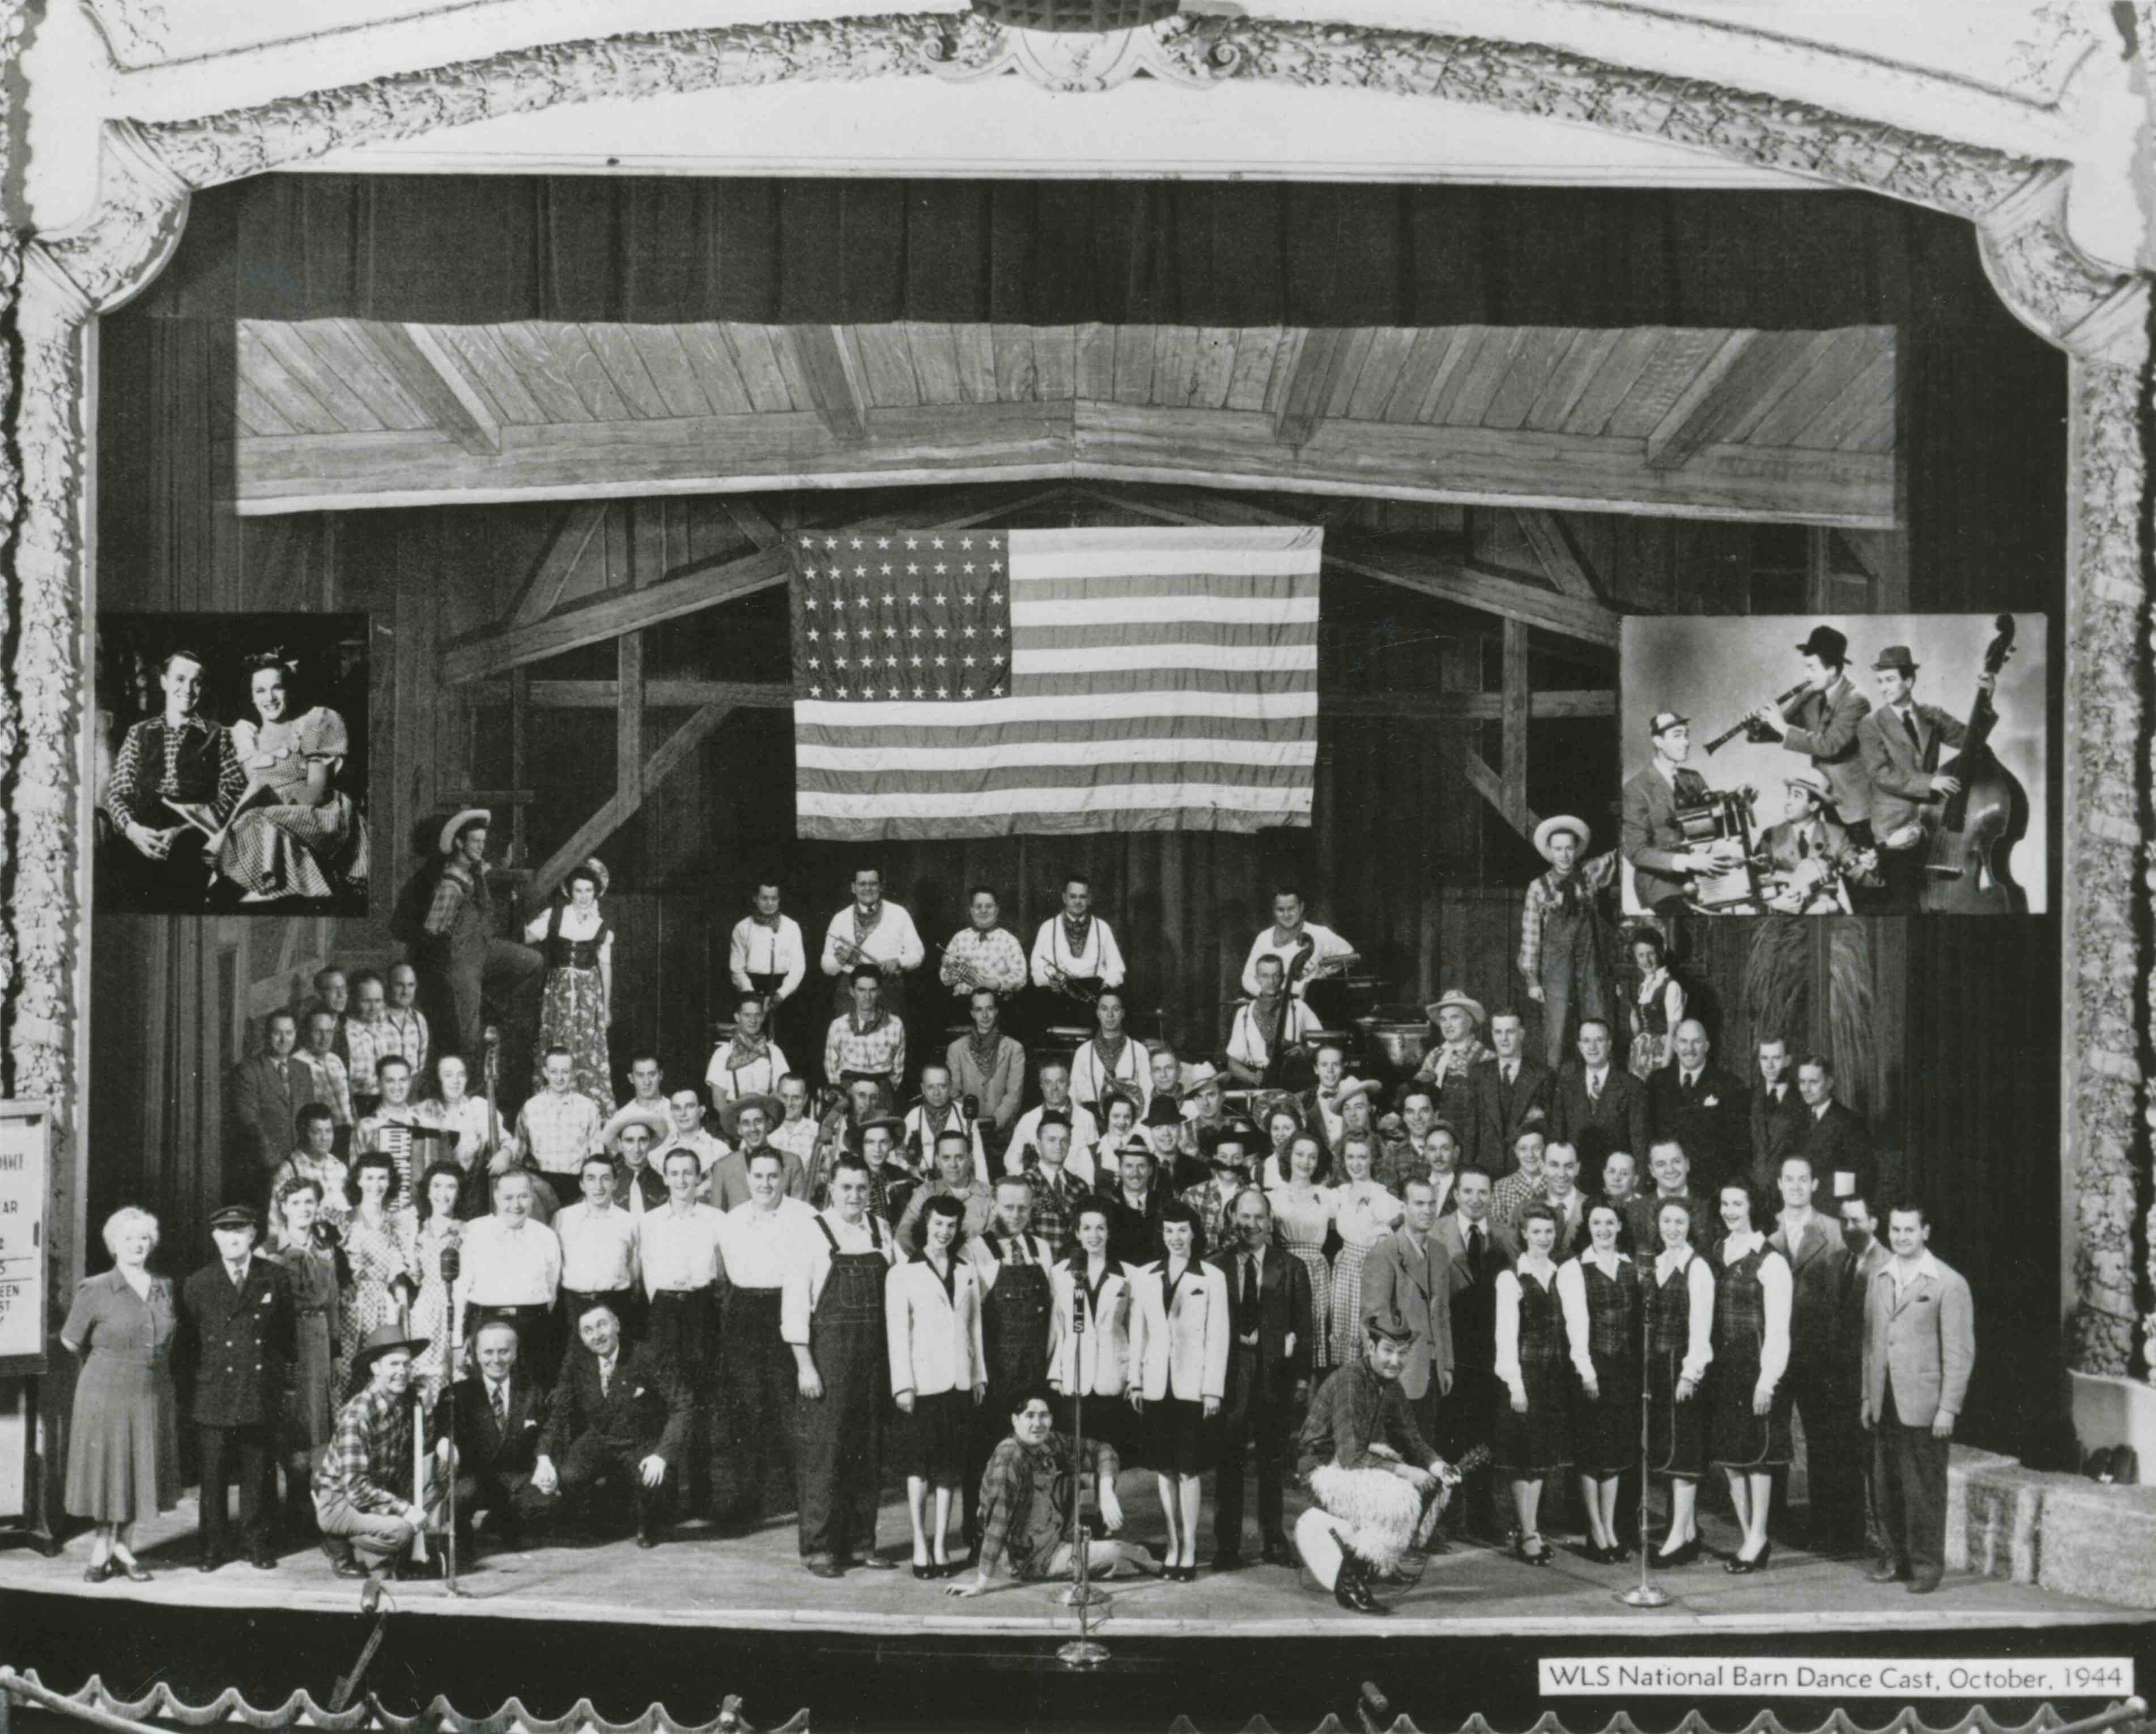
(1352, 1590)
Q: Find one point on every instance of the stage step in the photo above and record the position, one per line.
(2060, 1533)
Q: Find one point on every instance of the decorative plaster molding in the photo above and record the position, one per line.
(2053, 287)
(126, 237)
(1072, 61)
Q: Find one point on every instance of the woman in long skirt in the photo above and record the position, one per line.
(1748, 1424)
(939, 1373)
(378, 1246)
(1602, 1294)
(1658, 1006)
(312, 1267)
(576, 1001)
(303, 837)
(123, 1445)
(1179, 1340)
(1680, 1296)
(1533, 1439)
(1365, 1213)
(1303, 1209)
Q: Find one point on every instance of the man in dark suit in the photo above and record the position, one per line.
(1600, 1106)
(1505, 1096)
(268, 1092)
(1900, 744)
(1821, 723)
(1835, 1138)
(496, 1417)
(1269, 1360)
(1474, 1252)
(1650, 837)
(1818, 1261)
(1868, 1257)
(239, 1320)
(1701, 1107)
(617, 1415)
(1778, 1119)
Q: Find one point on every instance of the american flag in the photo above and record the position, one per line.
(976, 683)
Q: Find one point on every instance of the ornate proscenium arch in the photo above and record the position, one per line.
(2097, 313)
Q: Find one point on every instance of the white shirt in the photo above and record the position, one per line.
(705, 1148)
(680, 1252)
(805, 1277)
(1904, 1274)
(1252, 1045)
(1084, 1134)
(759, 1076)
(1777, 1287)
(916, 1131)
(798, 1136)
(1699, 1284)
(1132, 1071)
(758, 950)
(1099, 957)
(1325, 942)
(598, 1248)
(891, 940)
(1571, 1296)
(1508, 1293)
(761, 1246)
(505, 1266)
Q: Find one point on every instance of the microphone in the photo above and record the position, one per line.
(492, 1037)
(971, 1103)
(453, 1263)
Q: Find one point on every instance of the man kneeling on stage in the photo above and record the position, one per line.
(368, 1467)
(1360, 1449)
(618, 1415)
(1027, 1493)
(495, 1416)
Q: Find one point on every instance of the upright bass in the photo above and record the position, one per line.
(1969, 861)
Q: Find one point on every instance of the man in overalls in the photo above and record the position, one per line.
(1012, 1264)
(460, 944)
(831, 1315)
(1562, 941)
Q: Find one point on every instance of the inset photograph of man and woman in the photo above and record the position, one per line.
(232, 763)
(1873, 764)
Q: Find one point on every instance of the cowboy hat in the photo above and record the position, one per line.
(1452, 999)
(1352, 1087)
(1813, 783)
(891, 1123)
(636, 1114)
(731, 1109)
(381, 1340)
(461, 823)
(1549, 827)
(1196, 1076)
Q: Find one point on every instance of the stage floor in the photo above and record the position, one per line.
(756, 1582)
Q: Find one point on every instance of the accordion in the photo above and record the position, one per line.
(1724, 815)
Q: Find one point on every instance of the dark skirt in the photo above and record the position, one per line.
(1539, 1442)
(1676, 1432)
(1605, 1429)
(1738, 1438)
(1177, 1439)
(931, 1443)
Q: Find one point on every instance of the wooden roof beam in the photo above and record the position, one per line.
(433, 377)
(1311, 374)
(835, 379)
(1553, 548)
(658, 694)
(1746, 376)
(623, 805)
(572, 542)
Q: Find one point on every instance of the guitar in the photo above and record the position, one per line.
(1968, 857)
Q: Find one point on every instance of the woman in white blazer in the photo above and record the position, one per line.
(938, 1373)
(1179, 1340)
(1095, 1361)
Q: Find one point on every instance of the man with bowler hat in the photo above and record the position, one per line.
(240, 1325)
(1821, 723)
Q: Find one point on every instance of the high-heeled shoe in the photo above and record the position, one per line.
(924, 1572)
(1684, 1556)
(1520, 1550)
(1739, 1566)
(102, 1569)
(133, 1569)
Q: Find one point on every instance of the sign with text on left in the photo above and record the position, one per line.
(25, 1175)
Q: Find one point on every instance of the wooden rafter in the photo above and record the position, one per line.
(834, 376)
(658, 694)
(1560, 561)
(1565, 704)
(565, 553)
(623, 804)
(433, 377)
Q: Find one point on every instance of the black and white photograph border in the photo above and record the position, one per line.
(1868, 764)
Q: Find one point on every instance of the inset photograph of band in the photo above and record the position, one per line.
(1872, 764)
(232, 763)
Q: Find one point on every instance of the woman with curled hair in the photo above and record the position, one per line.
(577, 997)
(379, 1242)
(1533, 1433)
(123, 1441)
(314, 1262)
(1179, 1340)
(439, 1224)
(1680, 1300)
(938, 1373)
(302, 836)
(1748, 1420)
(1304, 1209)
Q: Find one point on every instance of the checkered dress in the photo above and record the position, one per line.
(1538, 1443)
(1606, 1430)
(1739, 1438)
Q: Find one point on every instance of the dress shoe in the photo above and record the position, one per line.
(349, 1569)
(134, 1571)
(646, 1540)
(924, 1572)
(826, 1568)
(1887, 1571)
(209, 1561)
(1184, 1574)
(1683, 1556)
(1541, 1556)
(1925, 1584)
(1277, 1552)
(1739, 1566)
(102, 1569)
(875, 1562)
(261, 1557)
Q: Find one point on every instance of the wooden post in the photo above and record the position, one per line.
(1513, 748)
(520, 684)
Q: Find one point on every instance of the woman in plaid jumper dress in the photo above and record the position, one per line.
(1604, 1305)
(1748, 1422)
(1680, 1296)
(1533, 1434)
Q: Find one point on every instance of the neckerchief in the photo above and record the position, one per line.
(986, 1049)
(1111, 1058)
(882, 1018)
(864, 925)
(1078, 934)
(746, 1051)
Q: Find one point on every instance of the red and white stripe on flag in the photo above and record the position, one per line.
(981, 683)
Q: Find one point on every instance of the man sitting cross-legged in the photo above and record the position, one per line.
(1027, 1495)
(1379, 1486)
(617, 1415)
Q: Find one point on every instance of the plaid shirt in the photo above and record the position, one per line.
(450, 891)
(559, 1131)
(370, 1454)
(1027, 1493)
(1546, 894)
(1511, 1196)
(993, 959)
(332, 1083)
(132, 796)
(1211, 1206)
(881, 1050)
(369, 1045)
(1055, 1206)
(408, 1032)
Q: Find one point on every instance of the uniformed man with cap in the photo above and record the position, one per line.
(1899, 745)
(237, 1314)
(1652, 839)
(458, 944)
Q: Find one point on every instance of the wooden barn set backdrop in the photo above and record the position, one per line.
(548, 434)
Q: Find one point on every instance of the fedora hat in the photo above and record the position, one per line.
(459, 824)
(1352, 1087)
(1663, 721)
(381, 1340)
(731, 1109)
(1196, 1076)
(1549, 827)
(1825, 644)
(1895, 657)
(1813, 782)
(1452, 999)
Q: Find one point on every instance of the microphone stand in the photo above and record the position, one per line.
(1083, 1651)
(1646, 1594)
(452, 1269)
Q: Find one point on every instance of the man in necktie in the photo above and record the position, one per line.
(620, 1417)
(1778, 1119)
(1268, 1360)
(496, 1416)
(1821, 722)
(1653, 839)
(1900, 743)
(1700, 1105)
(1507, 1096)
(1600, 1106)
(1815, 866)
(268, 1092)
(239, 1329)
